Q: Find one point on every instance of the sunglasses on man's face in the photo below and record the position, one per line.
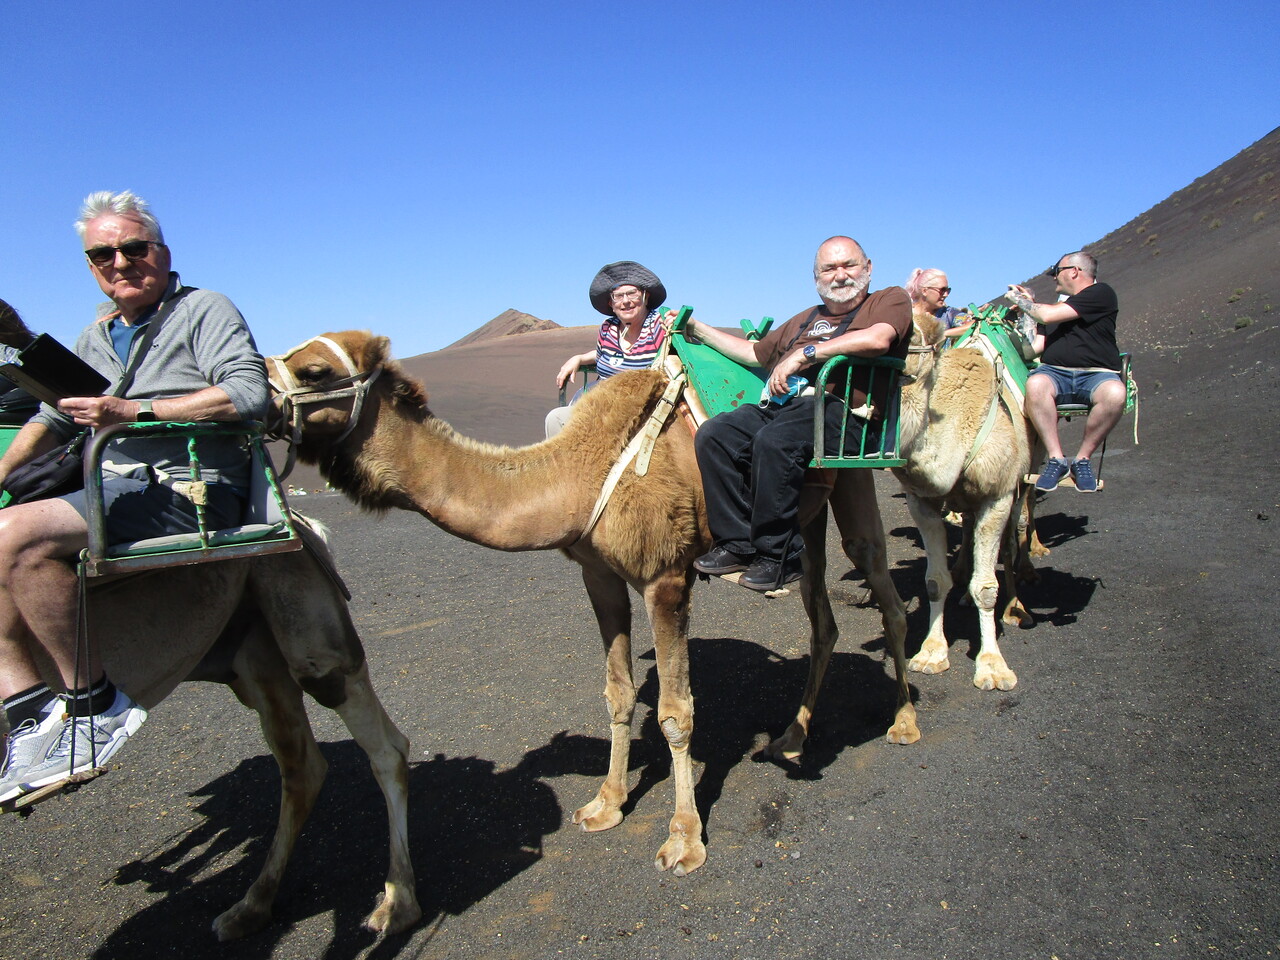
(133, 250)
(945, 291)
(1058, 268)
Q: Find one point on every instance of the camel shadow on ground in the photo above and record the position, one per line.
(471, 829)
(751, 701)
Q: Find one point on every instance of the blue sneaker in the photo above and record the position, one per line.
(1082, 474)
(1055, 468)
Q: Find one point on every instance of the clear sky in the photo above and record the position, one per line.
(416, 168)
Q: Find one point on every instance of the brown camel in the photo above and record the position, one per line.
(270, 628)
(968, 446)
(356, 414)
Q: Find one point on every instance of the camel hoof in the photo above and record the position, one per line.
(681, 855)
(240, 921)
(923, 663)
(595, 816)
(1017, 616)
(396, 912)
(994, 677)
(788, 747)
(904, 730)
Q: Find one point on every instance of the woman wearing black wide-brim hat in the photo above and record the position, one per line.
(630, 296)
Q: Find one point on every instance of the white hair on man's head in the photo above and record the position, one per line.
(125, 203)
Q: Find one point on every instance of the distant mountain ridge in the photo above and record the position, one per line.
(509, 323)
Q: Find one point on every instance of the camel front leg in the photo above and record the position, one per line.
(822, 637)
(990, 524)
(666, 598)
(612, 606)
(933, 655)
(263, 683)
(857, 515)
(1012, 559)
(388, 751)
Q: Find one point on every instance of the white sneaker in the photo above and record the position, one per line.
(67, 746)
(27, 743)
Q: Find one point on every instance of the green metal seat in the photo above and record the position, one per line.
(267, 525)
(723, 384)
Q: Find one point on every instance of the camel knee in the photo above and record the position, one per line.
(938, 587)
(984, 594)
(622, 705)
(677, 731)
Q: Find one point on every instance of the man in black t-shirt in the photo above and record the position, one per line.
(1079, 363)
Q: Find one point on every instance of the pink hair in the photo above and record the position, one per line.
(919, 279)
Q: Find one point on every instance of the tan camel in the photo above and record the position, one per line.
(366, 424)
(270, 628)
(968, 446)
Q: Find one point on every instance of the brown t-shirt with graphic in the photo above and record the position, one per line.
(814, 325)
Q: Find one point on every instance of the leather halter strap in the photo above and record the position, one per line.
(291, 395)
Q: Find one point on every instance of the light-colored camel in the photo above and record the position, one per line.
(392, 452)
(270, 628)
(968, 446)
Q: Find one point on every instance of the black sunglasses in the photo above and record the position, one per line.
(1056, 269)
(132, 250)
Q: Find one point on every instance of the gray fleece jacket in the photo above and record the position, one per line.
(204, 342)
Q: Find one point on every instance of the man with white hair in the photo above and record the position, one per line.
(1079, 363)
(193, 359)
(753, 458)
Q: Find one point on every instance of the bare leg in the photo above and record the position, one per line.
(1042, 411)
(612, 605)
(1107, 408)
(38, 593)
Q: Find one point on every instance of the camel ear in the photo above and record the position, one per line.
(408, 390)
(931, 329)
(377, 351)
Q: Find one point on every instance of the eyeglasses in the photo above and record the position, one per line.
(133, 250)
(942, 290)
(1057, 269)
(632, 296)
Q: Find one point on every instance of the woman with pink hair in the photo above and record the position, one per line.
(928, 289)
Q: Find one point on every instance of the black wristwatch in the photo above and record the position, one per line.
(810, 352)
(145, 413)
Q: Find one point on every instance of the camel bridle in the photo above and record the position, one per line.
(292, 395)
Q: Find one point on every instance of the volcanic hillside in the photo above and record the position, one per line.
(1198, 277)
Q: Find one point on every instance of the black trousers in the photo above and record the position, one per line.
(753, 461)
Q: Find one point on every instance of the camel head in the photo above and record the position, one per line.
(926, 340)
(320, 390)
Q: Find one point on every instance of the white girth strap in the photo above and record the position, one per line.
(641, 447)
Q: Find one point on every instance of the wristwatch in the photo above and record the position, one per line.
(810, 352)
(145, 413)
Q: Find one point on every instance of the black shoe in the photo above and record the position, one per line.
(766, 574)
(721, 560)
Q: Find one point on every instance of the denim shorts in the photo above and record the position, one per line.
(1075, 386)
(138, 509)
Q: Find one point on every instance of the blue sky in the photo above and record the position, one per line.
(417, 168)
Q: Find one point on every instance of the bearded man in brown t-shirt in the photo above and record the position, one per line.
(753, 458)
